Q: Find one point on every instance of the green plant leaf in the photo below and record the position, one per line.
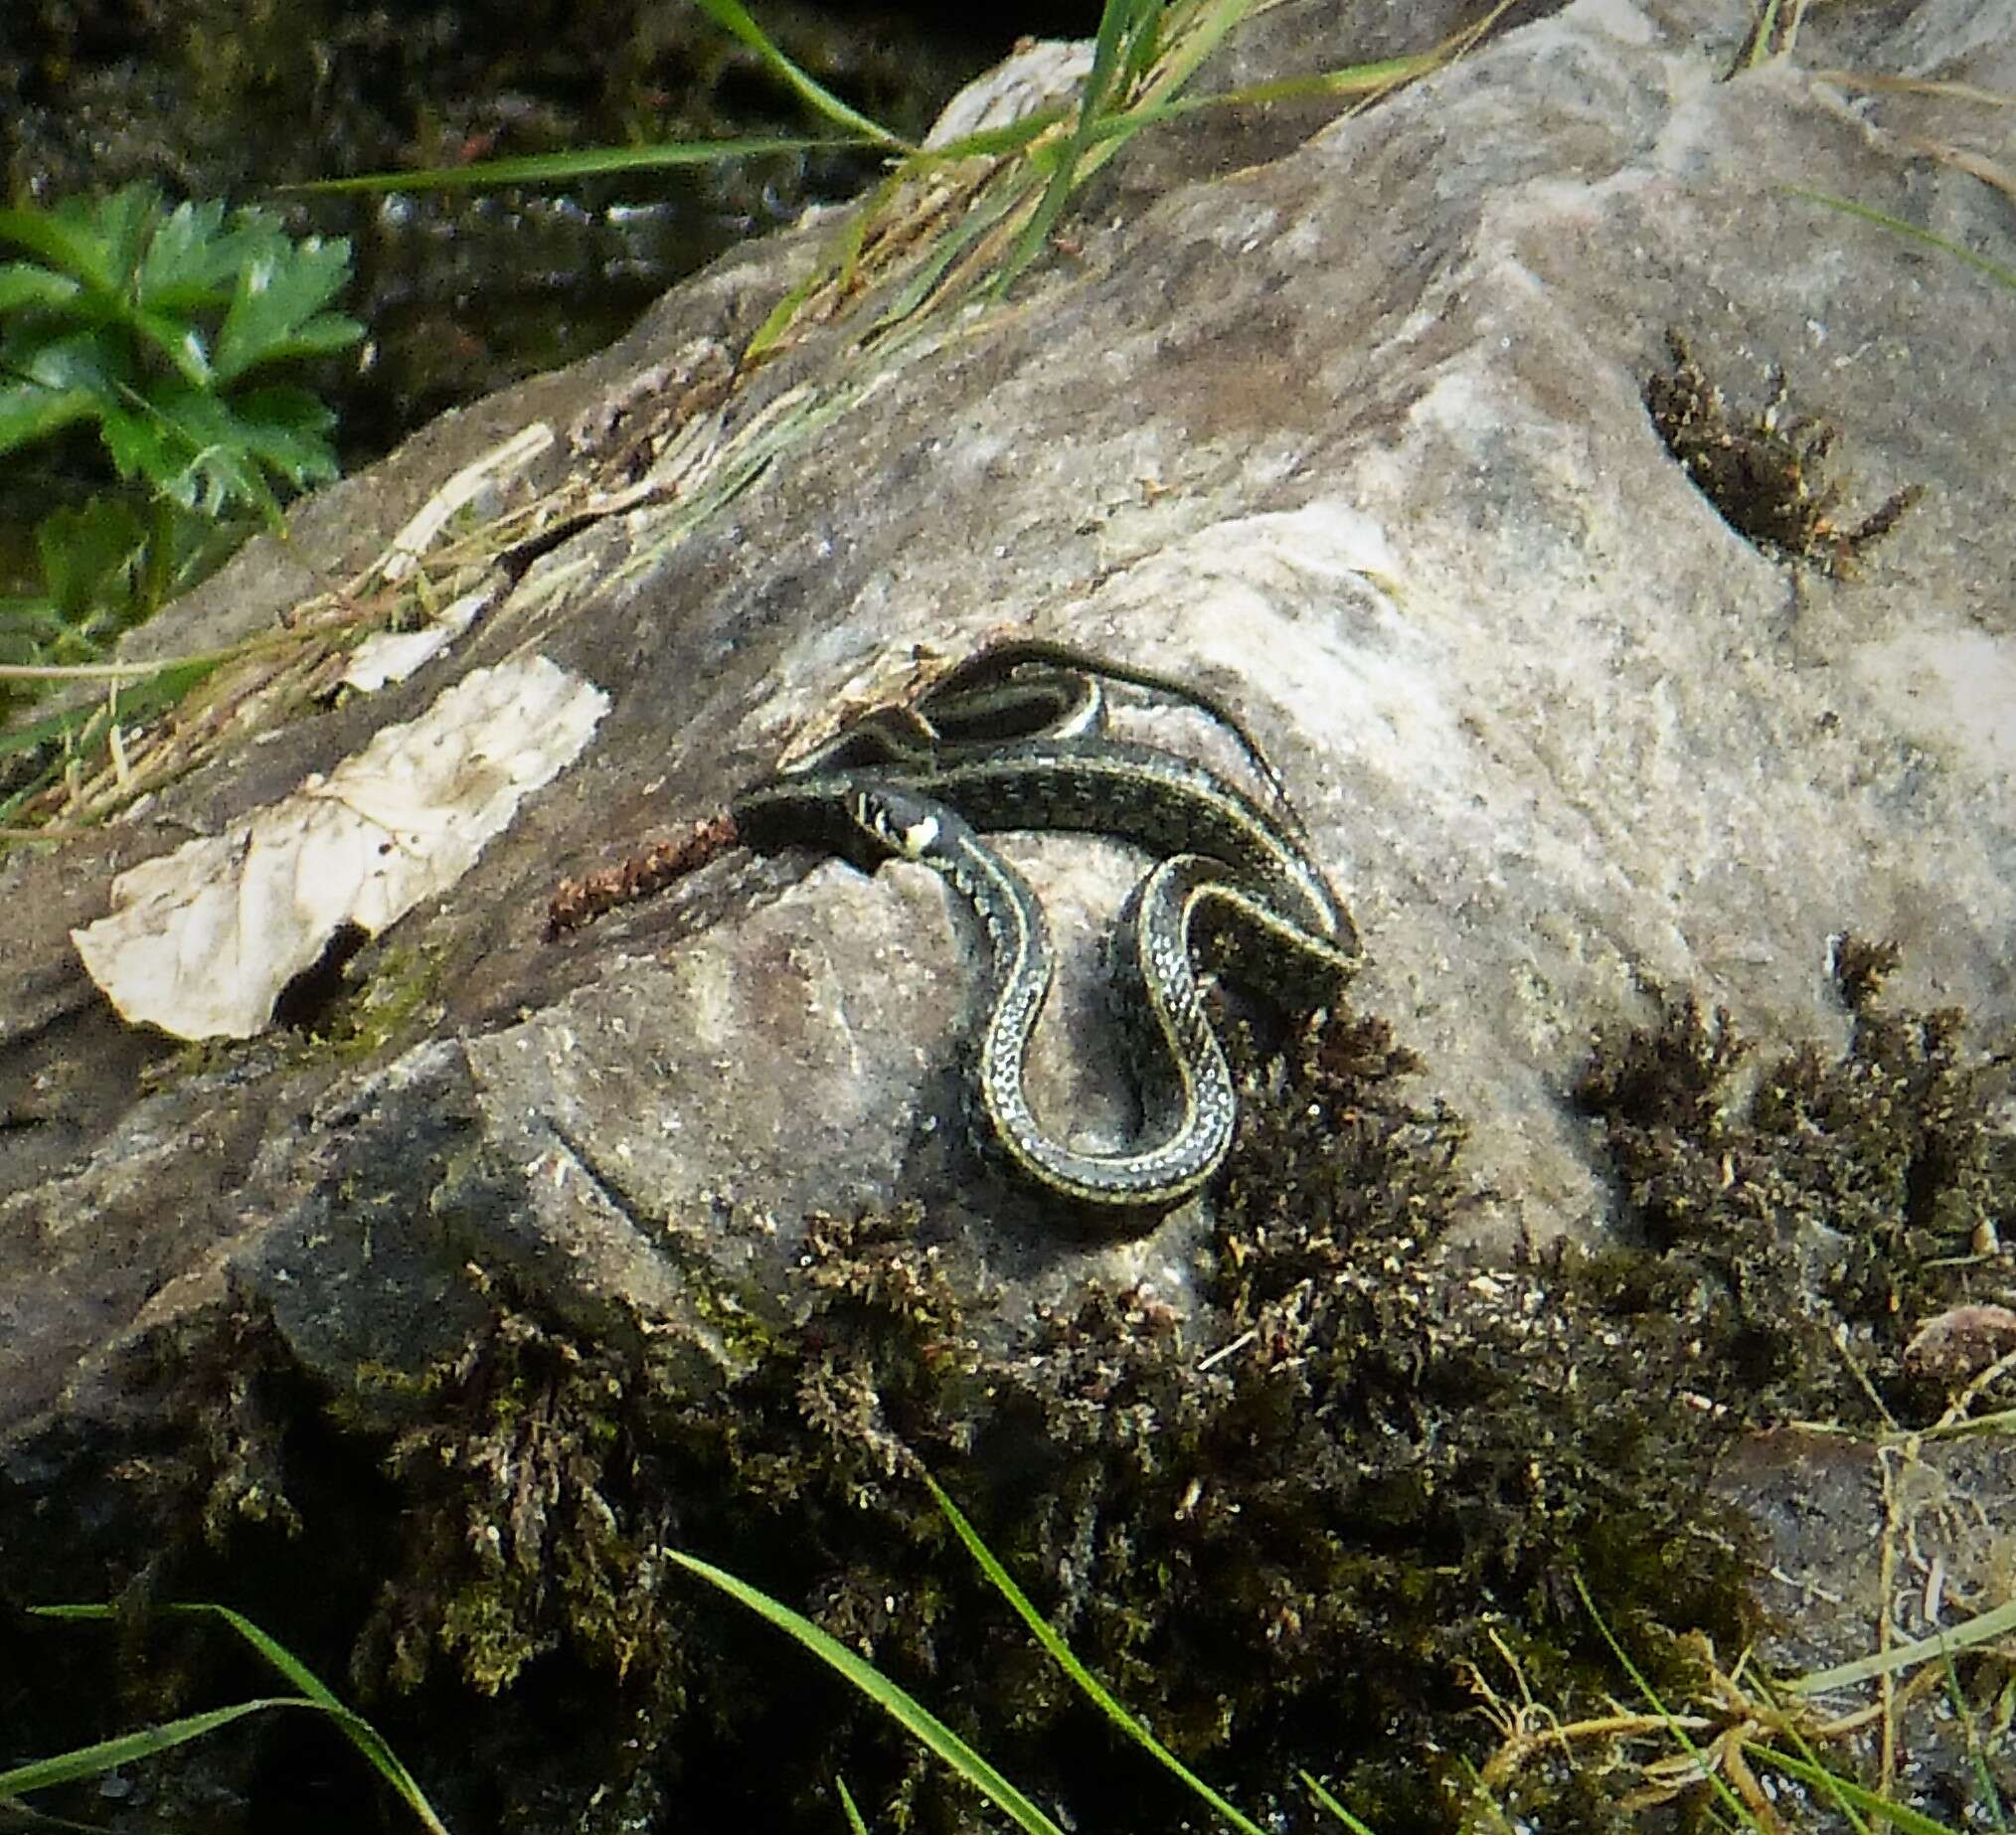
(315, 1694)
(1330, 1803)
(1847, 1790)
(191, 256)
(107, 565)
(26, 285)
(108, 251)
(1066, 1659)
(48, 380)
(91, 558)
(286, 430)
(1119, 20)
(97, 245)
(1995, 271)
(144, 444)
(166, 275)
(47, 235)
(117, 228)
(28, 624)
(29, 413)
(110, 1755)
(214, 454)
(180, 341)
(277, 308)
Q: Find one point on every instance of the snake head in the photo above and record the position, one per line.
(902, 825)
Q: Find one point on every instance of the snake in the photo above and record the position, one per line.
(1230, 880)
(1018, 688)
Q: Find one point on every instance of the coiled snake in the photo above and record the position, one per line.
(1017, 741)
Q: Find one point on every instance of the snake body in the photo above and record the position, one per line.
(1228, 876)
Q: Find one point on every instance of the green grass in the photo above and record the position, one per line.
(314, 1697)
(1012, 187)
(1749, 1724)
(1743, 1742)
(1995, 271)
(1144, 54)
(938, 1738)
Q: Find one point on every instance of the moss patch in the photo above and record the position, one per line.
(1335, 1521)
(1819, 1195)
(1287, 1539)
(1765, 471)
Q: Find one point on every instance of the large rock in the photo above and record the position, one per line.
(1345, 423)
(1355, 437)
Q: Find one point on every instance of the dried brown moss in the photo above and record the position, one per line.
(1856, 1194)
(1766, 473)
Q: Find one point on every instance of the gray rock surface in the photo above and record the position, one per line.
(1345, 423)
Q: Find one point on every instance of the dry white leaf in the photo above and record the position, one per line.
(201, 941)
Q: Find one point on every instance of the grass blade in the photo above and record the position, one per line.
(582, 162)
(2002, 276)
(986, 142)
(315, 1693)
(1481, 1792)
(1351, 79)
(1727, 1798)
(840, 264)
(34, 734)
(1330, 1803)
(1061, 1654)
(786, 311)
(139, 691)
(1114, 19)
(1910, 1821)
(1977, 1630)
(130, 1748)
(733, 18)
(1196, 43)
(909, 1713)
(948, 247)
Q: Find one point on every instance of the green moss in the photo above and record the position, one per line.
(1394, 1461)
(354, 1005)
(522, 1545)
(381, 1001)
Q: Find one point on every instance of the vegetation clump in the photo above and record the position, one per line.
(1857, 1194)
(1766, 475)
(1286, 1535)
